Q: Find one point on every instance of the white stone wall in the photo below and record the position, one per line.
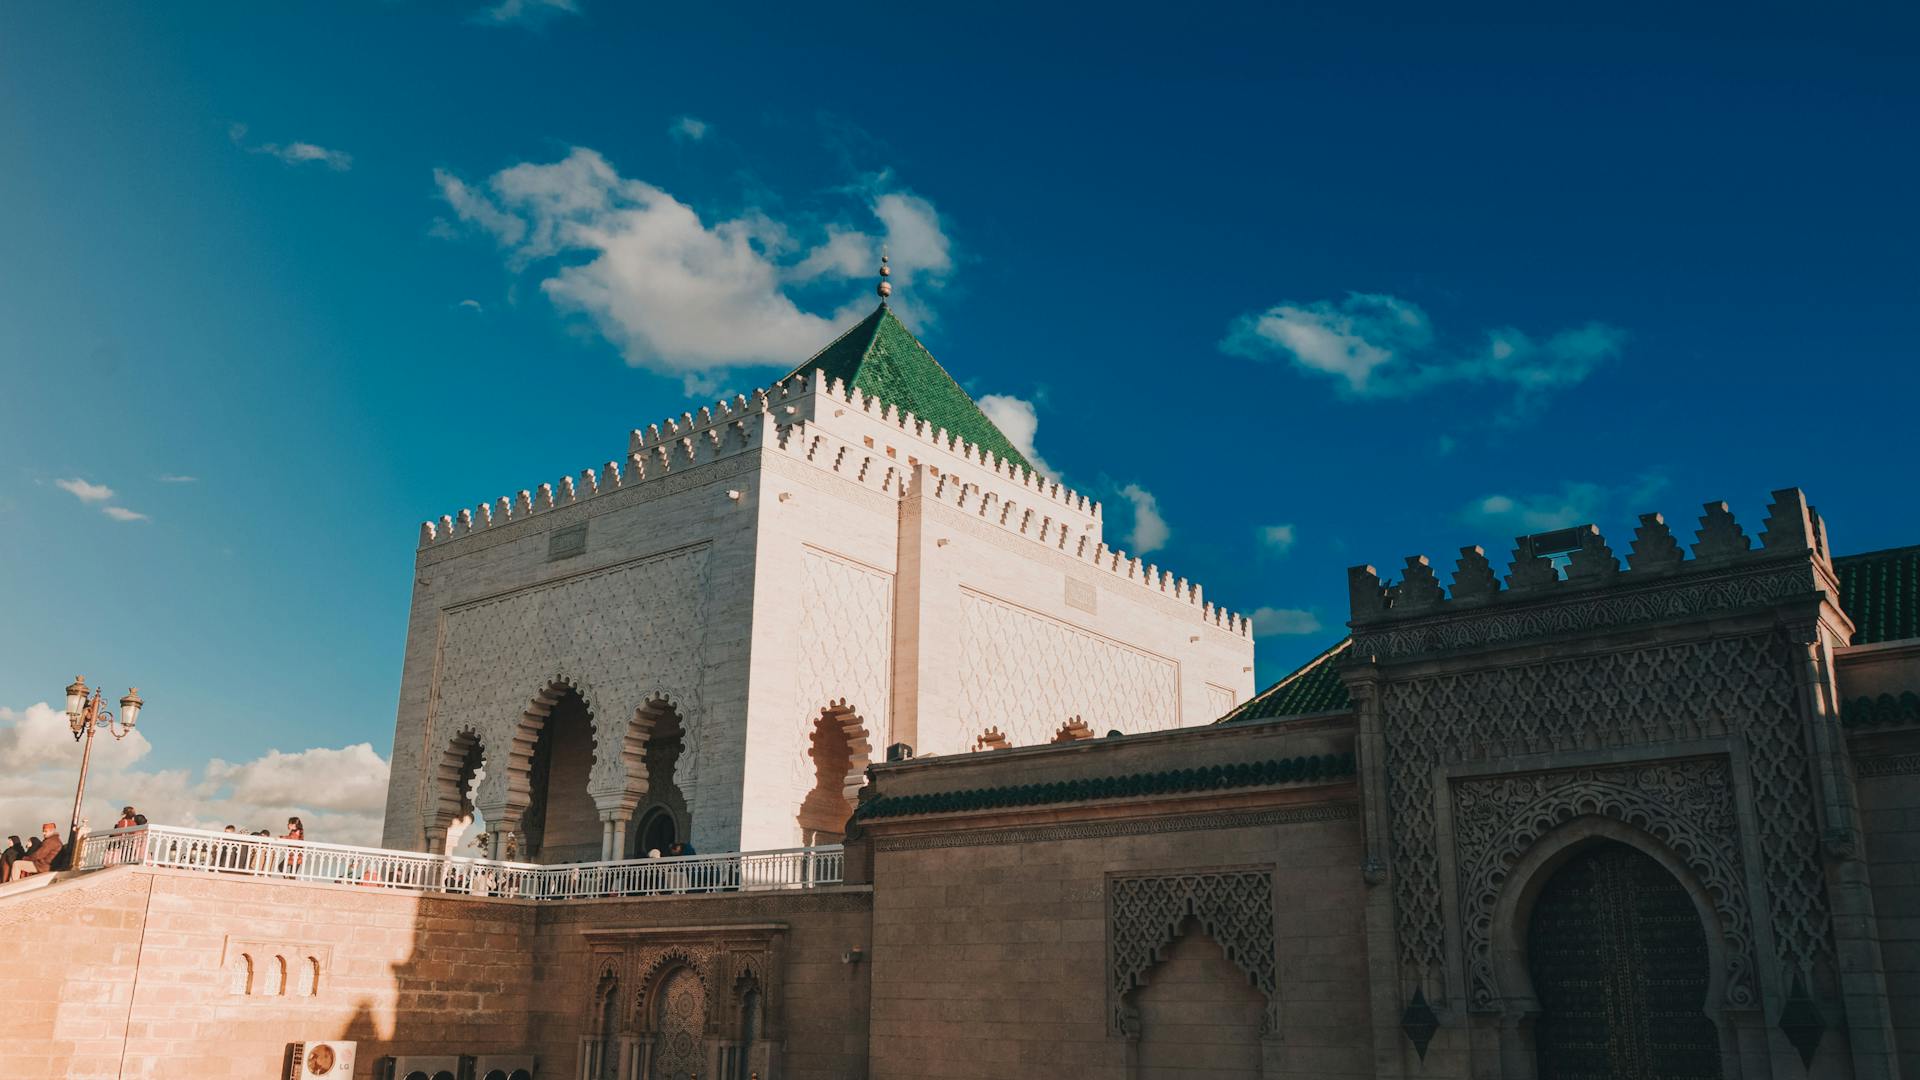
(769, 559)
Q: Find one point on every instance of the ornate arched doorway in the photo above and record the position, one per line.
(561, 823)
(1621, 970)
(679, 1024)
(841, 751)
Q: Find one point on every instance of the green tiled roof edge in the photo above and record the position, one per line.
(1883, 711)
(1313, 687)
(1880, 592)
(1294, 770)
(881, 358)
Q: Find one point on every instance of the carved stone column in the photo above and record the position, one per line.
(1856, 939)
(1363, 681)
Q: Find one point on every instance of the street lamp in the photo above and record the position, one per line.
(84, 714)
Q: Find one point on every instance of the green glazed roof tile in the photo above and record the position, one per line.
(1314, 688)
(881, 358)
(1880, 592)
(1306, 769)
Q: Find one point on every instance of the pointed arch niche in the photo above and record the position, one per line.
(655, 740)
(449, 812)
(841, 751)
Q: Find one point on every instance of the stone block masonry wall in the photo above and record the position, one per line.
(146, 974)
(1010, 937)
(165, 974)
(822, 999)
(1888, 780)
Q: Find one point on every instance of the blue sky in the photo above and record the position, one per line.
(1286, 290)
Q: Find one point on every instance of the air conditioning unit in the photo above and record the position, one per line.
(331, 1060)
(420, 1067)
(503, 1067)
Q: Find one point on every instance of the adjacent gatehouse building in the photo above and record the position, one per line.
(974, 795)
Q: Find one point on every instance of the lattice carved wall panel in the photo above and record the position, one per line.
(1641, 697)
(1687, 805)
(621, 636)
(1028, 673)
(846, 651)
(1145, 914)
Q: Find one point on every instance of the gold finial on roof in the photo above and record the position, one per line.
(885, 288)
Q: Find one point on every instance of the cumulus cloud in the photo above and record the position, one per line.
(687, 129)
(1016, 419)
(1575, 503)
(1150, 531)
(293, 153)
(1378, 346)
(1284, 622)
(1277, 539)
(675, 293)
(340, 793)
(525, 12)
(85, 491)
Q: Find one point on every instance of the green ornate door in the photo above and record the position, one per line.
(1619, 963)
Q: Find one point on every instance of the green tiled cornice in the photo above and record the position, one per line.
(1293, 770)
(1880, 592)
(1881, 712)
(881, 358)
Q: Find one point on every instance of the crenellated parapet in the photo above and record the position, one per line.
(1035, 524)
(830, 399)
(797, 416)
(652, 455)
(1572, 579)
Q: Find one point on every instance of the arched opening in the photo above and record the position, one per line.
(243, 974)
(677, 1013)
(663, 819)
(841, 752)
(751, 1058)
(450, 814)
(1621, 969)
(310, 977)
(606, 1019)
(277, 977)
(561, 823)
(1199, 1015)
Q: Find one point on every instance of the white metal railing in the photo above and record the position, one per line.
(305, 860)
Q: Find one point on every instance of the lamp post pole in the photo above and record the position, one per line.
(84, 716)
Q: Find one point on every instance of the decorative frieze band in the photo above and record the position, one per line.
(1344, 811)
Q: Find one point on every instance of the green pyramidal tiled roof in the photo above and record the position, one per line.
(883, 359)
(1314, 688)
(1880, 592)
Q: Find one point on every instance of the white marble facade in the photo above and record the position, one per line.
(755, 564)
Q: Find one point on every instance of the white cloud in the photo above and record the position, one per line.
(525, 12)
(471, 305)
(1378, 346)
(1284, 622)
(88, 492)
(339, 793)
(1016, 419)
(293, 153)
(352, 779)
(687, 129)
(84, 491)
(1150, 531)
(674, 293)
(1277, 538)
(1573, 504)
(178, 478)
